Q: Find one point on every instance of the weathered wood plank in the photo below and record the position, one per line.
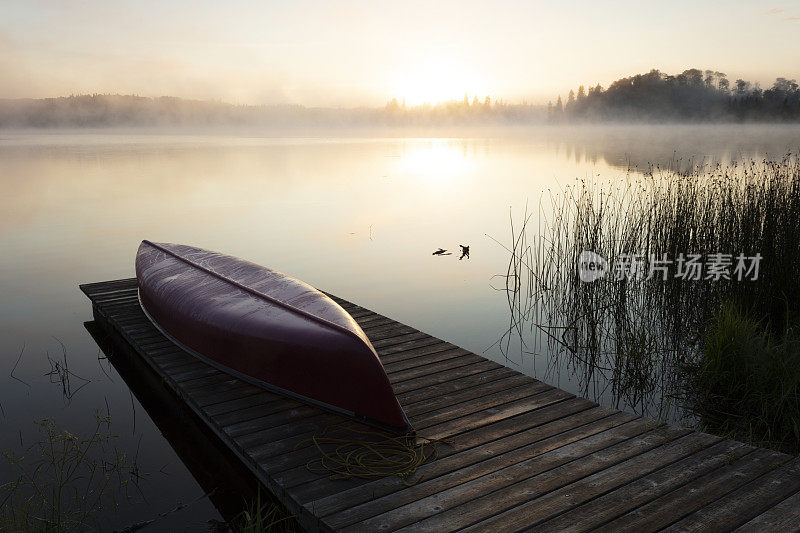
(262, 450)
(118, 297)
(431, 368)
(455, 400)
(385, 325)
(457, 383)
(784, 516)
(481, 403)
(179, 367)
(210, 398)
(424, 359)
(400, 340)
(391, 332)
(99, 287)
(440, 346)
(523, 454)
(477, 419)
(248, 398)
(372, 319)
(315, 491)
(439, 377)
(484, 396)
(380, 496)
(618, 502)
(679, 503)
(523, 478)
(406, 345)
(562, 500)
(738, 507)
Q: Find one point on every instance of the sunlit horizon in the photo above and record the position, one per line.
(359, 53)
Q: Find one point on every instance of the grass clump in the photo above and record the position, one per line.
(63, 482)
(264, 515)
(746, 381)
(631, 336)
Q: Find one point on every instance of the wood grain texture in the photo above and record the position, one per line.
(522, 454)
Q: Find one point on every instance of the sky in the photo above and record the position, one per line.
(363, 53)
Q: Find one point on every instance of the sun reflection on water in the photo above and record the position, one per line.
(434, 160)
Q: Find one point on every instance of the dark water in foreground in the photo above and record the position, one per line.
(354, 215)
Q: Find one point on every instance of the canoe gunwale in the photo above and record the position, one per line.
(407, 430)
(258, 294)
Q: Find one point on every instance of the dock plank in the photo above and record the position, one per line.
(605, 508)
(747, 502)
(689, 498)
(782, 517)
(565, 498)
(455, 469)
(521, 454)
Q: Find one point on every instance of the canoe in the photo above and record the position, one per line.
(266, 328)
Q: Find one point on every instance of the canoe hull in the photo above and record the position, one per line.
(266, 328)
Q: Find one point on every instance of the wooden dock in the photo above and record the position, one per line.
(524, 455)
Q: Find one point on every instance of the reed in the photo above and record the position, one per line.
(632, 339)
(264, 515)
(747, 383)
(63, 482)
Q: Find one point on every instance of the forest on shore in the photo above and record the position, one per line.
(691, 96)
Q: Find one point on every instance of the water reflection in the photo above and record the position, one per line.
(357, 216)
(224, 480)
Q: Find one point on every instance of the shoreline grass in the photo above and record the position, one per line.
(63, 482)
(634, 339)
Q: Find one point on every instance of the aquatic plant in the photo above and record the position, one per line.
(62, 482)
(264, 515)
(630, 338)
(746, 383)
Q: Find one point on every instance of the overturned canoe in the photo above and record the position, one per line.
(267, 328)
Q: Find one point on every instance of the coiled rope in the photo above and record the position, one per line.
(347, 452)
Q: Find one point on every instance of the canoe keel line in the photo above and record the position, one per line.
(266, 328)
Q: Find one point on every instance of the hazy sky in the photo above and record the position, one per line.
(349, 53)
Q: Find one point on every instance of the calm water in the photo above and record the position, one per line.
(356, 215)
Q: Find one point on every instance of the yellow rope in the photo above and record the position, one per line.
(366, 454)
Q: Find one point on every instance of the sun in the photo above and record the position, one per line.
(433, 80)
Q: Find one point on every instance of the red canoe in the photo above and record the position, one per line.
(266, 328)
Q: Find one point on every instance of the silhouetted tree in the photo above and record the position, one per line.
(686, 96)
(742, 86)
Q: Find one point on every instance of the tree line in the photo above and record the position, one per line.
(693, 95)
(112, 110)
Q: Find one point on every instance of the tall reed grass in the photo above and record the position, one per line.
(63, 482)
(634, 338)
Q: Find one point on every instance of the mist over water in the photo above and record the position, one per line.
(351, 212)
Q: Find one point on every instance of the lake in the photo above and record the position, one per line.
(357, 214)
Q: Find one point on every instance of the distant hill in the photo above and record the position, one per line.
(693, 95)
(106, 110)
(102, 110)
